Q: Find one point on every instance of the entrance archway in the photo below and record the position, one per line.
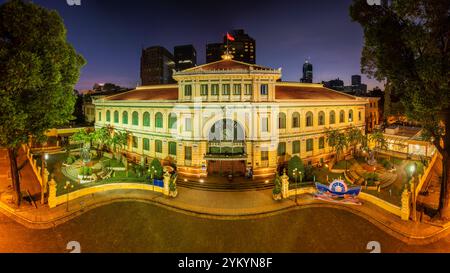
(226, 148)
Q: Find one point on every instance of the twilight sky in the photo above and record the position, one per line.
(111, 33)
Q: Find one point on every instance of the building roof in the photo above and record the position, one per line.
(169, 92)
(283, 91)
(227, 65)
(308, 92)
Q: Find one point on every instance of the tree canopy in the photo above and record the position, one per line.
(39, 69)
(406, 43)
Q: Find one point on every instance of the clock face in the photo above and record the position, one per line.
(338, 186)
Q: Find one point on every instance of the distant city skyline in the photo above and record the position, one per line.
(111, 34)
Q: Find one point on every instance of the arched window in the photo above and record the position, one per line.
(321, 118)
(116, 116)
(159, 120)
(332, 117)
(135, 118)
(108, 116)
(309, 119)
(172, 121)
(146, 119)
(296, 120)
(350, 115)
(125, 117)
(341, 116)
(281, 121)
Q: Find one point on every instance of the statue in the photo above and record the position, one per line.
(371, 160)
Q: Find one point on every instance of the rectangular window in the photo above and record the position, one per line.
(204, 90)
(236, 89)
(309, 144)
(248, 89)
(99, 116)
(188, 124)
(281, 148)
(187, 153)
(214, 89)
(173, 148)
(225, 89)
(158, 146)
(264, 89)
(359, 116)
(321, 143)
(296, 147)
(146, 144)
(264, 124)
(264, 155)
(135, 142)
(188, 90)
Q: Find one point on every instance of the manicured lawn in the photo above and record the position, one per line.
(120, 176)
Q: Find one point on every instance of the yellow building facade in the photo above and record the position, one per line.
(229, 117)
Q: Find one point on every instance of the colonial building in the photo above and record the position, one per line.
(229, 117)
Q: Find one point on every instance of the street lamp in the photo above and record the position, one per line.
(67, 187)
(44, 184)
(294, 173)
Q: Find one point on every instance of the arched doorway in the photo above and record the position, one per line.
(226, 148)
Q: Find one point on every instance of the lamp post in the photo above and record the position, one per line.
(412, 169)
(44, 184)
(294, 173)
(67, 187)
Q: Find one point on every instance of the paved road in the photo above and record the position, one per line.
(140, 227)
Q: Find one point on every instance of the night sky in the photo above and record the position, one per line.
(111, 33)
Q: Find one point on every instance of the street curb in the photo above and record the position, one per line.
(407, 238)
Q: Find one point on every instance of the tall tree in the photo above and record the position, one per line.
(407, 43)
(380, 141)
(38, 69)
(337, 140)
(354, 137)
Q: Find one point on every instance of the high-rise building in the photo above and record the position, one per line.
(157, 64)
(243, 48)
(335, 84)
(307, 72)
(214, 51)
(185, 56)
(356, 79)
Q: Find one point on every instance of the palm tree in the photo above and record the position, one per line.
(336, 140)
(380, 142)
(101, 137)
(354, 137)
(118, 141)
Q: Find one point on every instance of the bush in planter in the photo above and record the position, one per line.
(277, 188)
(155, 165)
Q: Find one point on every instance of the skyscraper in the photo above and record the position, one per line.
(335, 84)
(157, 64)
(307, 72)
(185, 56)
(356, 80)
(243, 48)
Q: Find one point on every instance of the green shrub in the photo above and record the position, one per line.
(386, 163)
(371, 178)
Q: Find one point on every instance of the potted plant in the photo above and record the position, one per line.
(276, 192)
(173, 192)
